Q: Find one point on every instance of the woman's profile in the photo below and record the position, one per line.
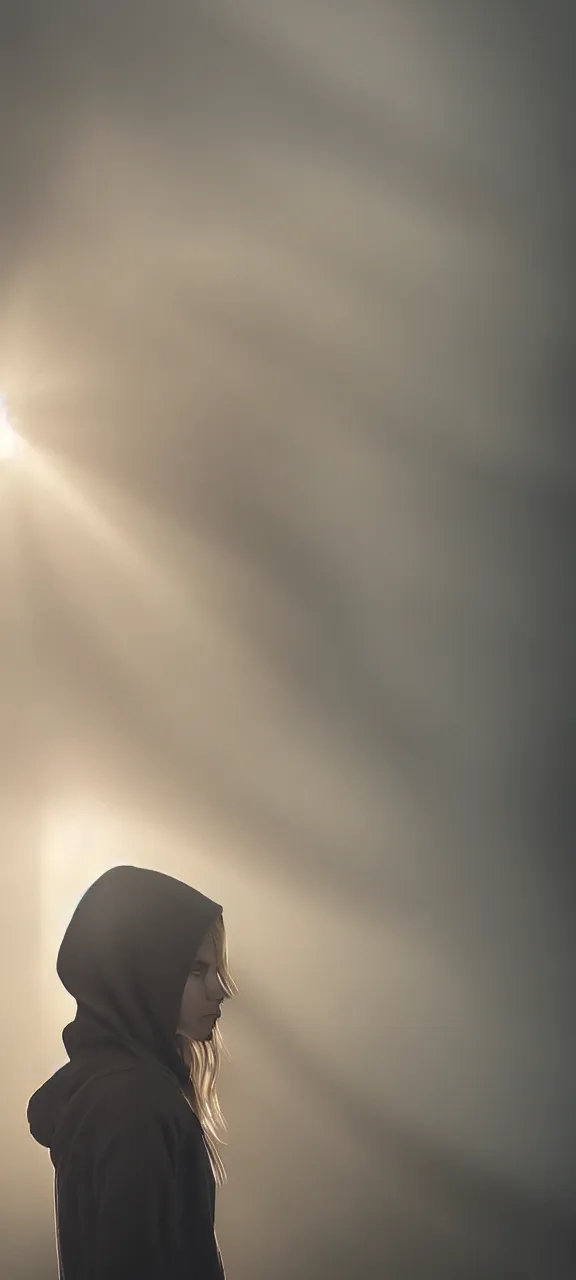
(132, 1121)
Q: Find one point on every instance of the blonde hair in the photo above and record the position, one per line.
(203, 1057)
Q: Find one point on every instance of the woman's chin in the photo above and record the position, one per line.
(203, 1032)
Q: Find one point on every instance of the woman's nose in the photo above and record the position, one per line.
(214, 988)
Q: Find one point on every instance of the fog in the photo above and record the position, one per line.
(285, 610)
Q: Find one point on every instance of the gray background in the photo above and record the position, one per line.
(285, 597)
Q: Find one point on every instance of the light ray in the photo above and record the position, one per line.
(11, 444)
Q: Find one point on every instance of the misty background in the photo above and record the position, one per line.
(286, 322)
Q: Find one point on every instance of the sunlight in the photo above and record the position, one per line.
(10, 442)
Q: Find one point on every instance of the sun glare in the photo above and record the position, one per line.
(10, 441)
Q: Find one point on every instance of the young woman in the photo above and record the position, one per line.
(132, 1120)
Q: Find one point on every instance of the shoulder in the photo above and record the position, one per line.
(131, 1093)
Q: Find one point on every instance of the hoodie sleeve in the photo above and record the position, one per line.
(135, 1185)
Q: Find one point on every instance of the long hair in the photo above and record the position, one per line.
(203, 1057)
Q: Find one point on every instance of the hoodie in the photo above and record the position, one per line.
(133, 1184)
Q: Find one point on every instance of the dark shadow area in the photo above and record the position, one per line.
(39, 97)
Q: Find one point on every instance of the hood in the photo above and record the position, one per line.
(47, 1104)
(124, 958)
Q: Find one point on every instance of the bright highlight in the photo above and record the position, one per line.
(10, 441)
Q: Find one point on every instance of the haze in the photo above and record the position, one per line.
(285, 573)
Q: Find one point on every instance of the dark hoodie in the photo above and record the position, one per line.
(134, 1188)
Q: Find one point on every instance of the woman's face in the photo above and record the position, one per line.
(202, 996)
